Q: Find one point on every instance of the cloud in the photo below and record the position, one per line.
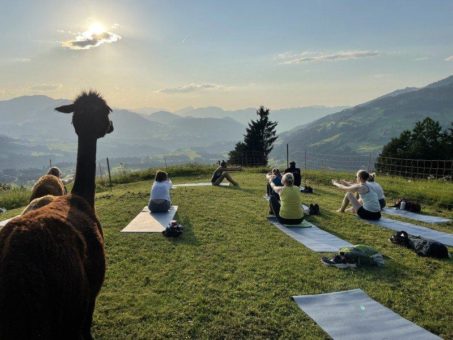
(192, 87)
(450, 58)
(45, 87)
(88, 40)
(304, 57)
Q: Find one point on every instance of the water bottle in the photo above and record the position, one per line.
(403, 205)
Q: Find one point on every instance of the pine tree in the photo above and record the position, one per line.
(426, 141)
(258, 141)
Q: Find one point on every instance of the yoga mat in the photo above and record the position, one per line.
(414, 216)
(4, 222)
(303, 224)
(415, 230)
(199, 184)
(313, 238)
(352, 314)
(145, 222)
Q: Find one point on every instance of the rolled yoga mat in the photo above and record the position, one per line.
(414, 216)
(415, 230)
(352, 314)
(147, 222)
(313, 238)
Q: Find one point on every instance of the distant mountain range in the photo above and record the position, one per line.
(365, 128)
(287, 118)
(32, 132)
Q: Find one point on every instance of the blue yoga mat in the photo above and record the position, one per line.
(414, 216)
(415, 230)
(313, 238)
(352, 314)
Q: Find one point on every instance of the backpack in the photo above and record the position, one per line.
(173, 229)
(408, 205)
(421, 246)
(362, 255)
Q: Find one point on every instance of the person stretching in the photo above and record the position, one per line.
(221, 173)
(276, 178)
(368, 207)
(377, 187)
(288, 209)
(160, 193)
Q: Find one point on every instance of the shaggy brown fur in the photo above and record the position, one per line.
(52, 261)
(47, 185)
(38, 203)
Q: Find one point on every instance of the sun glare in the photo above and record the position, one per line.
(96, 28)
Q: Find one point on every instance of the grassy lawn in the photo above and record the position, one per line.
(232, 274)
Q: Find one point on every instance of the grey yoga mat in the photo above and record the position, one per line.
(203, 184)
(4, 222)
(352, 314)
(147, 222)
(415, 230)
(414, 216)
(313, 238)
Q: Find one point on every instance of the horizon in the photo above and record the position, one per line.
(231, 55)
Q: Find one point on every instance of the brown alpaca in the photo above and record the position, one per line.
(52, 261)
(47, 185)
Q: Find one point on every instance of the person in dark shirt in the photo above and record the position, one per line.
(276, 177)
(221, 173)
(296, 173)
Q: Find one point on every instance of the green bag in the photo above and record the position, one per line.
(362, 255)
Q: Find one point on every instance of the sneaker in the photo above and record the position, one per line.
(337, 261)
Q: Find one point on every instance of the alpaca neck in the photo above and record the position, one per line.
(85, 177)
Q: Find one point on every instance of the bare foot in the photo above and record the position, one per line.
(340, 211)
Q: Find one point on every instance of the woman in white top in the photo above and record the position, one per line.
(377, 187)
(368, 207)
(160, 193)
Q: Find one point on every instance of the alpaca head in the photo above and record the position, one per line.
(90, 115)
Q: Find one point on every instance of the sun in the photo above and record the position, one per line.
(96, 28)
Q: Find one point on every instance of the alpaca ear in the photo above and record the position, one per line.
(65, 108)
(110, 110)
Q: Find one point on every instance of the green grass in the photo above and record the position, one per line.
(232, 274)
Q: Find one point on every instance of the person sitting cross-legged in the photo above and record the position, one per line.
(160, 200)
(286, 206)
(368, 206)
(222, 173)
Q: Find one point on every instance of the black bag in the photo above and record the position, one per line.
(173, 230)
(421, 246)
(409, 205)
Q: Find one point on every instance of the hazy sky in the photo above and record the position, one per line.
(234, 54)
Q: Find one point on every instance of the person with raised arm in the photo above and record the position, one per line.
(368, 206)
(286, 206)
(222, 173)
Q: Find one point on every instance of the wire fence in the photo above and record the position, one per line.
(305, 159)
(411, 168)
(310, 160)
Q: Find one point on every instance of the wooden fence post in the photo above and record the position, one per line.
(108, 168)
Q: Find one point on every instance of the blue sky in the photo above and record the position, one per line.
(171, 54)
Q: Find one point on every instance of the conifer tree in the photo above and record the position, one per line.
(258, 141)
